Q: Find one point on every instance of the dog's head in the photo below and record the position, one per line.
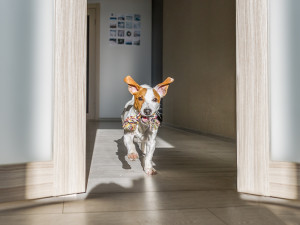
(147, 99)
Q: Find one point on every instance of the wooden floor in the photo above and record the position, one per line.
(195, 184)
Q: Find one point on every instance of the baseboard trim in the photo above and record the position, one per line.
(199, 132)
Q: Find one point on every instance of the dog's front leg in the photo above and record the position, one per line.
(144, 145)
(128, 141)
(150, 148)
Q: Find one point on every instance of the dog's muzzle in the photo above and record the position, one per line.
(147, 112)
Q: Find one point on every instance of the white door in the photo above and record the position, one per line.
(268, 106)
(42, 89)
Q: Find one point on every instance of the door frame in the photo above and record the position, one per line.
(65, 174)
(96, 76)
(257, 173)
(91, 65)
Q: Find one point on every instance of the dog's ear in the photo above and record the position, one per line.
(162, 88)
(133, 87)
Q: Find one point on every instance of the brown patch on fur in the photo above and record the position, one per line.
(156, 95)
(132, 85)
(130, 81)
(137, 103)
(164, 85)
(167, 81)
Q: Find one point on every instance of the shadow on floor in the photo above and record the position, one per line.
(122, 154)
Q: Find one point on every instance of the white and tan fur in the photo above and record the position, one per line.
(146, 101)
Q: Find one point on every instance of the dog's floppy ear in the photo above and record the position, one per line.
(162, 88)
(133, 87)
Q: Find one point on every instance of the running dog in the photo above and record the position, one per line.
(139, 119)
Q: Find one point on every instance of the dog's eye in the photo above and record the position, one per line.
(154, 100)
(140, 99)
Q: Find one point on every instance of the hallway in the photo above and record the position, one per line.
(195, 184)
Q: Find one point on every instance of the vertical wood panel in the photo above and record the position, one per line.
(70, 81)
(252, 96)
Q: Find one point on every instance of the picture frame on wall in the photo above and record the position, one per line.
(125, 29)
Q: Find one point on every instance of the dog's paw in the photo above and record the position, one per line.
(133, 156)
(150, 171)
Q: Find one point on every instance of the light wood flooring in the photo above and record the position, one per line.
(195, 184)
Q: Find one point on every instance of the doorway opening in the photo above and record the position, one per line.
(214, 101)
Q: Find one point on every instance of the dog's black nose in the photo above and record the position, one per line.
(147, 111)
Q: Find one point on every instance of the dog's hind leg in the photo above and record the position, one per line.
(128, 141)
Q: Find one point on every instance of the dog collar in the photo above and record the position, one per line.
(131, 122)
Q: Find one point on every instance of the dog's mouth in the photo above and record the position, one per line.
(146, 119)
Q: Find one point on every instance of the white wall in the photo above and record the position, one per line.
(118, 61)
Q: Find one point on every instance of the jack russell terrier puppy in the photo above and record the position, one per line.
(139, 119)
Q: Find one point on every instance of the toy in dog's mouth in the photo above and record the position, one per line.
(146, 119)
(151, 121)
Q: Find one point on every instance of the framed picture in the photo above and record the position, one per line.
(125, 29)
